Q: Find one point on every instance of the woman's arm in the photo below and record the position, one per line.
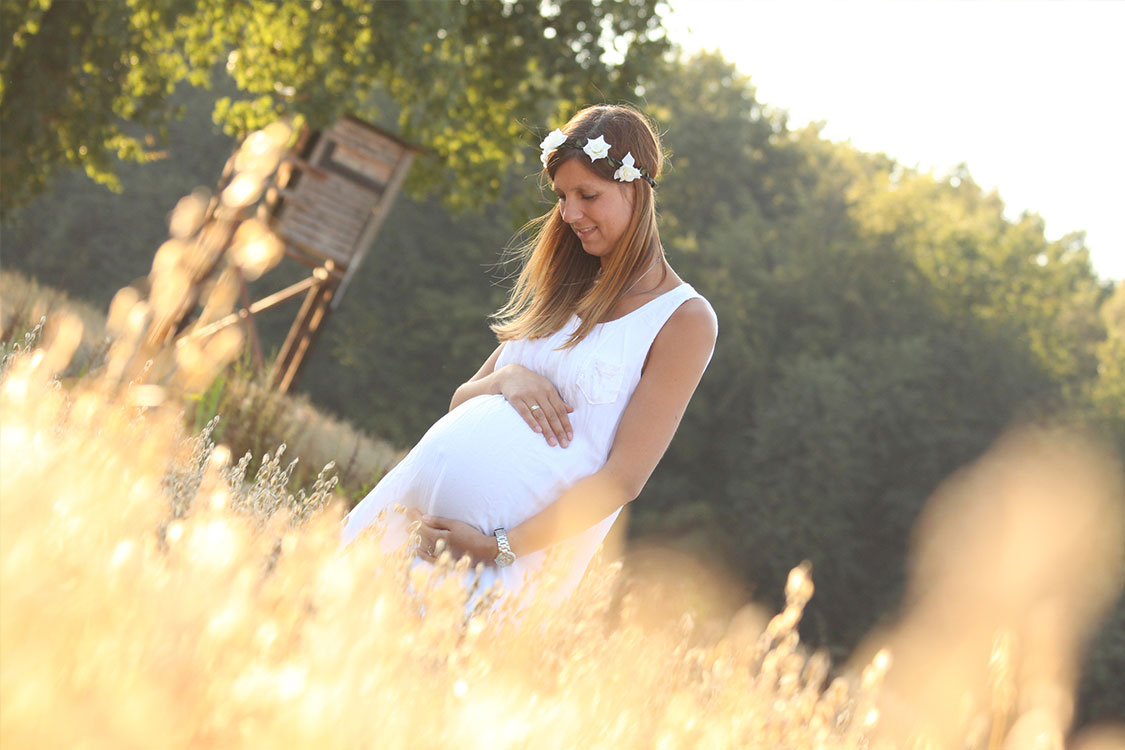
(480, 384)
(676, 362)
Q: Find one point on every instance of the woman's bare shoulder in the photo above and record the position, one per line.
(687, 337)
(694, 318)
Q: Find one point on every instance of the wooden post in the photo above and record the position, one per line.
(313, 312)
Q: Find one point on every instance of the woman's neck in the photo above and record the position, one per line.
(638, 279)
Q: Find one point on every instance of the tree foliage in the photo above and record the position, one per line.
(77, 80)
(85, 81)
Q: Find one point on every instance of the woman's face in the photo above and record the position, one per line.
(598, 210)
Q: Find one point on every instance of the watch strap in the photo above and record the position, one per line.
(505, 556)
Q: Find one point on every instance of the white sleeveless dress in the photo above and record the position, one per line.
(482, 464)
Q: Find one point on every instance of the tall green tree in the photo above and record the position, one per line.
(1001, 273)
(84, 81)
(80, 82)
(1107, 392)
(89, 241)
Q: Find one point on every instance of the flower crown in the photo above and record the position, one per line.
(595, 148)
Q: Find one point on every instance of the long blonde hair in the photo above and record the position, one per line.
(558, 278)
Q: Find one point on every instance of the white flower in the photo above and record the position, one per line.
(597, 148)
(627, 172)
(553, 140)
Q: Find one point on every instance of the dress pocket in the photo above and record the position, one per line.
(600, 381)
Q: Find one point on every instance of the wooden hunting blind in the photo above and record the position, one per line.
(324, 202)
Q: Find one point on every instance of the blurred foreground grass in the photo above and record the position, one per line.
(153, 594)
(249, 417)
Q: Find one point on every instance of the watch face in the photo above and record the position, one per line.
(504, 559)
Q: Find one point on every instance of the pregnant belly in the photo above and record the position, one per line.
(482, 464)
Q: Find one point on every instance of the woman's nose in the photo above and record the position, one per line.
(570, 213)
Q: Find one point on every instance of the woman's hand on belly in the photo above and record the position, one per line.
(460, 539)
(538, 401)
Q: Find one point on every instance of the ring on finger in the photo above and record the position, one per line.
(535, 406)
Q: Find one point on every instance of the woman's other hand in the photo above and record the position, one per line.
(538, 401)
(459, 538)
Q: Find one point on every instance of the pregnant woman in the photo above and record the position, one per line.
(601, 347)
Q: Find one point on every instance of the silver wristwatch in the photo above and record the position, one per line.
(505, 557)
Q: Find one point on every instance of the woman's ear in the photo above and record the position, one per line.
(630, 189)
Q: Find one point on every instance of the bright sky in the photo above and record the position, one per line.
(1029, 94)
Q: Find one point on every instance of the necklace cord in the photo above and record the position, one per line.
(651, 266)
